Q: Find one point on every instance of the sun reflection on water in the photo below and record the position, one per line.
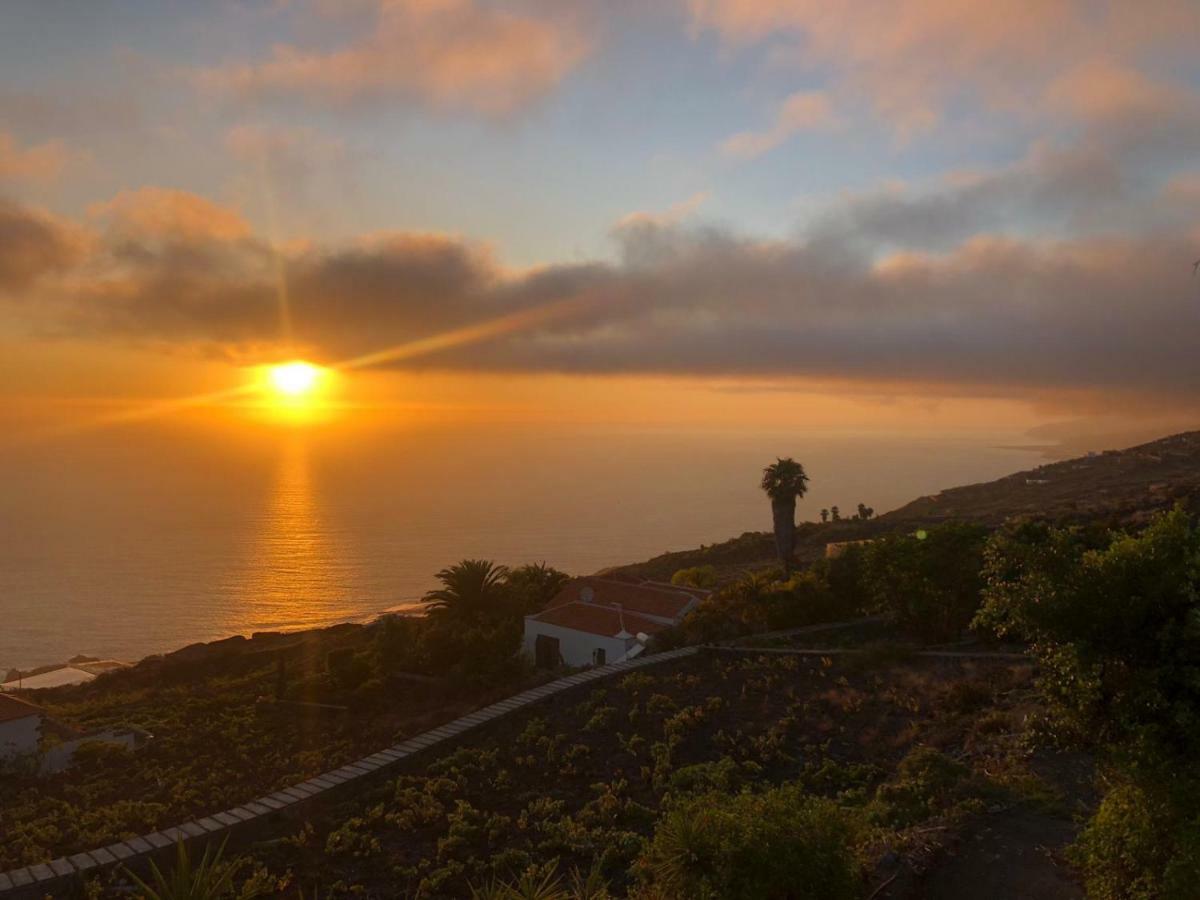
(296, 568)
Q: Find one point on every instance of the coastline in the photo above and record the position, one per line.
(84, 660)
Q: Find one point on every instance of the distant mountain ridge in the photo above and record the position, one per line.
(1112, 483)
(1120, 487)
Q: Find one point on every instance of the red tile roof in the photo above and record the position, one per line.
(13, 708)
(602, 620)
(651, 600)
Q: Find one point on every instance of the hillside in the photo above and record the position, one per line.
(1116, 484)
(1114, 487)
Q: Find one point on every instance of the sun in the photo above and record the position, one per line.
(294, 379)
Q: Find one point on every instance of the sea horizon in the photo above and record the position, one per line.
(111, 551)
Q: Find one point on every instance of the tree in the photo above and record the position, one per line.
(865, 512)
(471, 589)
(534, 585)
(824, 515)
(836, 513)
(1116, 627)
(784, 480)
(931, 580)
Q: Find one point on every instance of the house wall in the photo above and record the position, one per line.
(19, 736)
(576, 646)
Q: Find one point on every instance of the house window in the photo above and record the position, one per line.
(598, 656)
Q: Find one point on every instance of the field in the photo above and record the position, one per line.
(219, 737)
(581, 780)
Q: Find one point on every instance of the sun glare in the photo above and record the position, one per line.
(294, 379)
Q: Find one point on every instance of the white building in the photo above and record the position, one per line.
(20, 727)
(79, 672)
(593, 621)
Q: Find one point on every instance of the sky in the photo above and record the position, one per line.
(928, 213)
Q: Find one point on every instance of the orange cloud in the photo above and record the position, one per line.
(450, 54)
(41, 162)
(802, 111)
(1099, 91)
(153, 212)
(910, 58)
(34, 244)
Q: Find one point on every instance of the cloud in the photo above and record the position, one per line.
(446, 54)
(159, 214)
(1067, 269)
(34, 245)
(291, 153)
(676, 212)
(802, 111)
(40, 163)
(913, 59)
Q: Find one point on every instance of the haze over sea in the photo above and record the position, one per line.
(142, 541)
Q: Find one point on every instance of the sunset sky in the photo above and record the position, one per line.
(931, 211)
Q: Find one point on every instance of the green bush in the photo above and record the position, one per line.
(347, 669)
(930, 581)
(1140, 845)
(805, 599)
(696, 576)
(926, 782)
(781, 843)
(1116, 626)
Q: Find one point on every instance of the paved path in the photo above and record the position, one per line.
(52, 877)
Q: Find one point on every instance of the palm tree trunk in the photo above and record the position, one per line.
(783, 512)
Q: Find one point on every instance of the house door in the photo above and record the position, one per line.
(545, 651)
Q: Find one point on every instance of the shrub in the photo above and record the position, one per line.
(1139, 846)
(803, 600)
(781, 843)
(347, 669)
(930, 581)
(210, 880)
(696, 576)
(1116, 626)
(926, 782)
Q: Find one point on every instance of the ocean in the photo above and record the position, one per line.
(135, 541)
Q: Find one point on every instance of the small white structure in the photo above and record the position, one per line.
(79, 672)
(593, 621)
(20, 727)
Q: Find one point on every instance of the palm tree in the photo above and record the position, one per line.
(824, 515)
(534, 585)
(470, 589)
(784, 480)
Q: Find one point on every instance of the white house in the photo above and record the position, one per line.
(20, 727)
(593, 621)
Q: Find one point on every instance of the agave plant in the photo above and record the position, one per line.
(212, 879)
(541, 883)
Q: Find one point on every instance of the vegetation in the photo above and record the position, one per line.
(783, 481)
(781, 842)
(212, 879)
(1114, 618)
(472, 589)
(722, 776)
(705, 774)
(929, 580)
(240, 718)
